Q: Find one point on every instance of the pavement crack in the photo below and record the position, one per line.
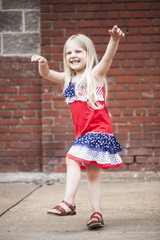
(20, 200)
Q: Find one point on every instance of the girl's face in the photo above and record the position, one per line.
(76, 57)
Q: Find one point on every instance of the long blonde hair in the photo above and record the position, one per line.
(87, 79)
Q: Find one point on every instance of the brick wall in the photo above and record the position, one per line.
(20, 87)
(20, 115)
(134, 83)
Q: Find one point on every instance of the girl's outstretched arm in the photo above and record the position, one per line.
(105, 63)
(44, 70)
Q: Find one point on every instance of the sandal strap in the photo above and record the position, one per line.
(100, 219)
(61, 209)
(72, 207)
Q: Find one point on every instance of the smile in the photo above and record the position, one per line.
(74, 61)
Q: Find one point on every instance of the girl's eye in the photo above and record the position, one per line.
(68, 53)
(78, 51)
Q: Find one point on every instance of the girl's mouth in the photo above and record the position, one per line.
(74, 61)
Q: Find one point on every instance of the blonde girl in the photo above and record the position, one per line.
(95, 148)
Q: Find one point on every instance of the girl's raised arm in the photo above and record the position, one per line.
(105, 63)
(44, 70)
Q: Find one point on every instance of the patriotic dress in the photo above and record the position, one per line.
(95, 143)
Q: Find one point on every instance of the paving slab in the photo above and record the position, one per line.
(131, 210)
(11, 194)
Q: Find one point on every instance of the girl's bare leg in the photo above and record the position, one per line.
(72, 182)
(94, 186)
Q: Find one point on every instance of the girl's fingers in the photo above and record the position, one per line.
(116, 32)
(37, 58)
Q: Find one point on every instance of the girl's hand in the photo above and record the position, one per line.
(37, 58)
(116, 33)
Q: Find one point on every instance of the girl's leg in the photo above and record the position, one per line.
(72, 180)
(94, 187)
(72, 183)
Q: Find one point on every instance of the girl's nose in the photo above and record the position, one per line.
(73, 54)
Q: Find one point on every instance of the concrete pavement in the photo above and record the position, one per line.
(131, 209)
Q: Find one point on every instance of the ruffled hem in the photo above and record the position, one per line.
(103, 166)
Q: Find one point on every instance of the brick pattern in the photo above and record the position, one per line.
(133, 78)
(20, 121)
(36, 128)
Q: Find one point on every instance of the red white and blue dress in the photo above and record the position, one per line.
(95, 143)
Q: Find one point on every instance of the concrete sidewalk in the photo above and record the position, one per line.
(131, 210)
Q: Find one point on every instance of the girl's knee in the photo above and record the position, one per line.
(93, 172)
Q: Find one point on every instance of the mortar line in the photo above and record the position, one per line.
(14, 205)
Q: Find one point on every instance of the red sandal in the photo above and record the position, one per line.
(96, 223)
(62, 211)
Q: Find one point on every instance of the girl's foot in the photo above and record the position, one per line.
(96, 221)
(63, 209)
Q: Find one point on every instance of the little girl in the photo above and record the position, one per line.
(95, 147)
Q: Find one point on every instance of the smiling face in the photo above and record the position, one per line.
(76, 57)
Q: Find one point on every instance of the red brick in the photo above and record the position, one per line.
(141, 112)
(128, 95)
(119, 119)
(144, 79)
(138, 55)
(126, 79)
(30, 121)
(138, 6)
(147, 30)
(142, 136)
(18, 98)
(88, 7)
(139, 71)
(49, 33)
(88, 24)
(137, 22)
(151, 144)
(141, 159)
(64, 8)
(149, 14)
(64, 136)
(127, 112)
(152, 160)
(113, 7)
(139, 103)
(49, 113)
(140, 152)
(138, 87)
(129, 128)
(140, 119)
(150, 47)
(153, 111)
(6, 114)
(150, 95)
(142, 39)
(117, 104)
(8, 90)
(153, 127)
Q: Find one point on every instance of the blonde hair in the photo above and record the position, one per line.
(87, 78)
